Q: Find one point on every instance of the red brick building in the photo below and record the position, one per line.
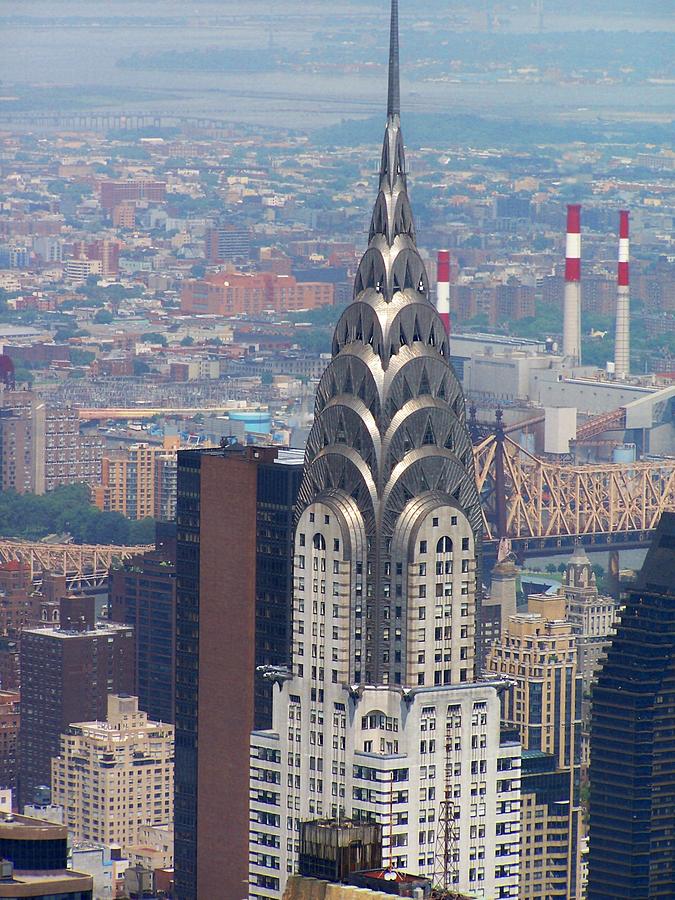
(107, 252)
(67, 673)
(114, 193)
(233, 294)
(18, 601)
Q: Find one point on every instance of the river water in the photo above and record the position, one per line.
(74, 44)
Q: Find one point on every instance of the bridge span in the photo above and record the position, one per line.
(84, 565)
(544, 506)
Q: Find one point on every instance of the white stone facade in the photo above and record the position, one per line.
(385, 753)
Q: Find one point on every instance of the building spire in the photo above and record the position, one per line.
(394, 97)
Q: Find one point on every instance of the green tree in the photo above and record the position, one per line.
(154, 337)
(67, 510)
(103, 317)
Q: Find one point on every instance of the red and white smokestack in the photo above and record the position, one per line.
(443, 288)
(572, 304)
(622, 339)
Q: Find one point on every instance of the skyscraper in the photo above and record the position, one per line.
(381, 720)
(143, 594)
(234, 570)
(67, 673)
(632, 809)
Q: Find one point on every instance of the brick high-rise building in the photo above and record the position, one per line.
(234, 572)
(128, 481)
(115, 775)
(19, 603)
(538, 655)
(226, 243)
(67, 673)
(41, 446)
(104, 250)
(9, 739)
(71, 457)
(139, 481)
(143, 594)
(9, 663)
(22, 442)
(232, 294)
(113, 193)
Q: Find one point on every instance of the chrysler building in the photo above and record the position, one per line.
(381, 718)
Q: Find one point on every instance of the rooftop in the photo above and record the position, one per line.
(27, 828)
(101, 628)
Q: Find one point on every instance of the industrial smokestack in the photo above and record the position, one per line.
(622, 341)
(572, 307)
(443, 288)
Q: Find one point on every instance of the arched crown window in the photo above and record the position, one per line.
(444, 545)
(319, 541)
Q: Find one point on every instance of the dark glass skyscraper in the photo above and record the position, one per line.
(143, 594)
(234, 578)
(632, 833)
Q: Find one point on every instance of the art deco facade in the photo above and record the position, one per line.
(380, 719)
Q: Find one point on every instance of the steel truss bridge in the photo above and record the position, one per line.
(84, 565)
(106, 121)
(545, 507)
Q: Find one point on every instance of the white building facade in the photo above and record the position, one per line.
(381, 718)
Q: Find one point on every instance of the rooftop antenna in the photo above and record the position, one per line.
(394, 93)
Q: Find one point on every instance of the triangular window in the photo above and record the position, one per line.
(429, 438)
(425, 388)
